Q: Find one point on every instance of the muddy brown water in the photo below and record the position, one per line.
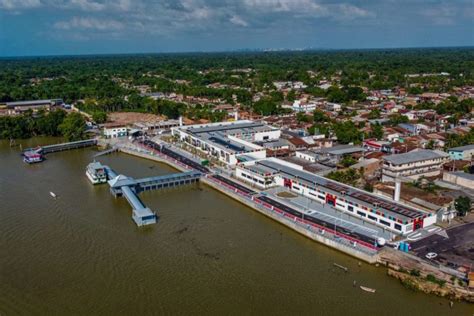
(208, 254)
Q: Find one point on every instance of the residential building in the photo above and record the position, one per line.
(333, 154)
(462, 153)
(460, 178)
(413, 165)
(115, 131)
(19, 107)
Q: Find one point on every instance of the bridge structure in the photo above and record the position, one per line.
(128, 187)
(63, 146)
(107, 151)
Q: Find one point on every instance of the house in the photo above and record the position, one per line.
(19, 107)
(460, 178)
(333, 154)
(114, 131)
(461, 153)
(412, 129)
(413, 165)
(303, 106)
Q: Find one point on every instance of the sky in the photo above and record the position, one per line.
(65, 27)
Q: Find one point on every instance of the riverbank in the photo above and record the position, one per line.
(432, 281)
(326, 239)
(208, 254)
(417, 275)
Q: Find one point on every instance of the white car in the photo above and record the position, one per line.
(431, 255)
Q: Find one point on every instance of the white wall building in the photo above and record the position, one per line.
(392, 216)
(413, 165)
(229, 142)
(114, 132)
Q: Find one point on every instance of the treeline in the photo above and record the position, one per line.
(55, 123)
(75, 78)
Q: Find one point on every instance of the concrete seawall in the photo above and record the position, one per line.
(282, 220)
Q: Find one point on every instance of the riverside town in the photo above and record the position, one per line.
(236, 181)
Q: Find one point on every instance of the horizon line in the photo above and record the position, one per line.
(239, 50)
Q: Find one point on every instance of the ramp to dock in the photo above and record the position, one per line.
(106, 152)
(64, 146)
(128, 187)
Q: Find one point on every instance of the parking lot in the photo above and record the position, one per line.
(455, 251)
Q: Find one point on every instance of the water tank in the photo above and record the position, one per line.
(381, 241)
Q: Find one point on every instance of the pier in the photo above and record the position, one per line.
(106, 152)
(43, 150)
(121, 185)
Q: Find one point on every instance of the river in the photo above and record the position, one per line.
(208, 254)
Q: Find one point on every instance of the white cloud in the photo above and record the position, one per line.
(19, 4)
(441, 15)
(87, 5)
(83, 23)
(237, 20)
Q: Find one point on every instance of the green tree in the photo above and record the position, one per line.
(319, 116)
(291, 96)
(302, 117)
(376, 131)
(99, 117)
(462, 205)
(374, 114)
(347, 132)
(73, 127)
(396, 119)
(347, 161)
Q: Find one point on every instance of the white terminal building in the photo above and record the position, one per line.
(230, 142)
(390, 215)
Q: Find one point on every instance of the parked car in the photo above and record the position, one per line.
(431, 255)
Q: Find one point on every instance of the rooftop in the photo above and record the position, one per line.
(415, 156)
(341, 150)
(462, 148)
(350, 193)
(243, 126)
(32, 102)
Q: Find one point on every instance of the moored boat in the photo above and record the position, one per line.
(96, 173)
(53, 195)
(367, 289)
(32, 157)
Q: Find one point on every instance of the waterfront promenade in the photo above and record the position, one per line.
(325, 235)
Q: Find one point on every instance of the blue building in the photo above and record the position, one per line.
(461, 153)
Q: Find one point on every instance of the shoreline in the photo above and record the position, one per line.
(371, 259)
(448, 291)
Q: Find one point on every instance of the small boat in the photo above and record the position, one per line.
(340, 267)
(367, 289)
(53, 194)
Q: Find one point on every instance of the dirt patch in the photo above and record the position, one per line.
(286, 195)
(126, 118)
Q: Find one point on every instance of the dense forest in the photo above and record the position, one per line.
(73, 78)
(107, 83)
(55, 123)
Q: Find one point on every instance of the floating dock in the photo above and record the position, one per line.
(40, 151)
(128, 187)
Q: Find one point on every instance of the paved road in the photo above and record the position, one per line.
(456, 250)
(234, 184)
(165, 150)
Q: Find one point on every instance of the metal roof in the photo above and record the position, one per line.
(415, 156)
(350, 193)
(341, 150)
(462, 148)
(226, 127)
